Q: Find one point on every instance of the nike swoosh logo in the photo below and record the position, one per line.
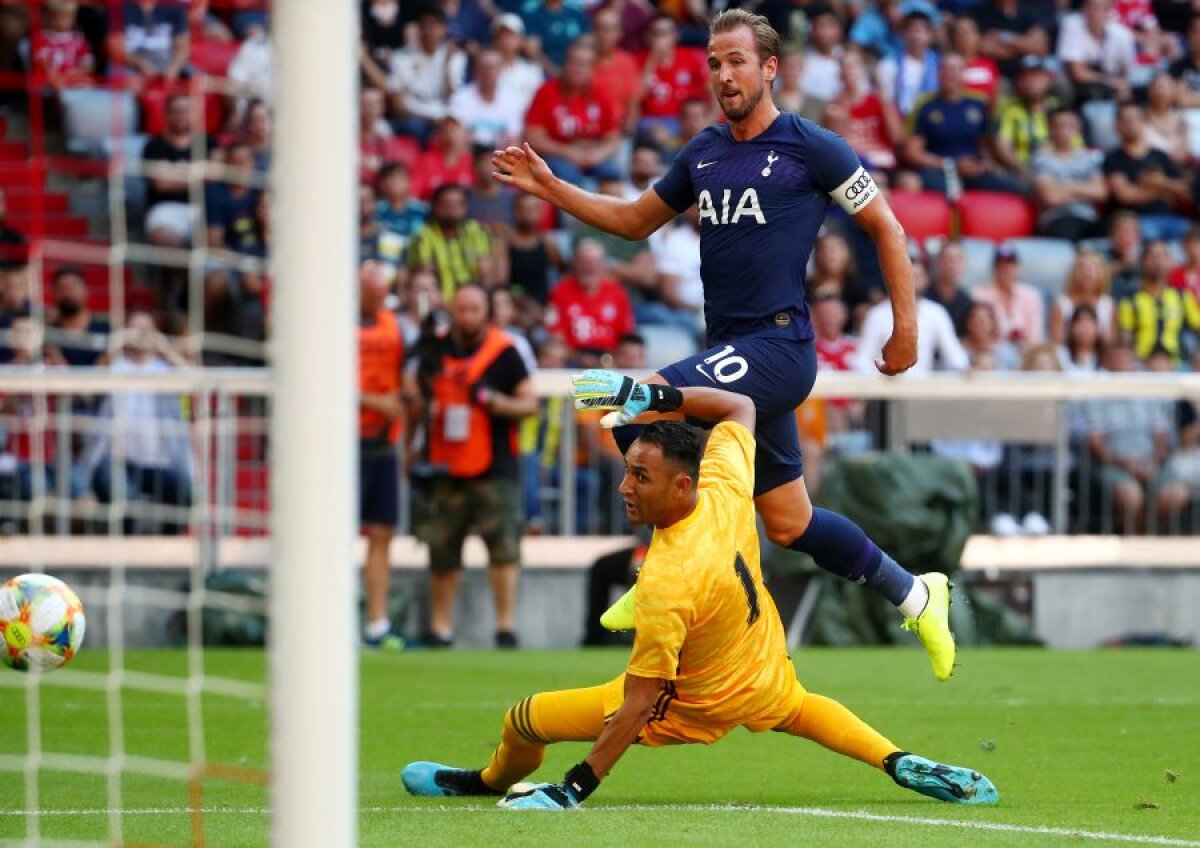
(702, 165)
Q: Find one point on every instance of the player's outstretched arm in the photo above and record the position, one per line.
(877, 218)
(601, 389)
(523, 169)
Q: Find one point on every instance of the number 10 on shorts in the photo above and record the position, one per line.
(726, 367)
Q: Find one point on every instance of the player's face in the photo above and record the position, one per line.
(736, 76)
(651, 484)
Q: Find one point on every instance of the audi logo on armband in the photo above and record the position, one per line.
(860, 185)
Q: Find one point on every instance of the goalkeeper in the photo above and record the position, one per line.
(709, 654)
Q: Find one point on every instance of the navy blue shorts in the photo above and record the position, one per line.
(777, 374)
(378, 488)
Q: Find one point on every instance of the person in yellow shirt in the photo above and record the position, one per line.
(710, 652)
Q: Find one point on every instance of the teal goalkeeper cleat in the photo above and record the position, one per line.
(541, 796)
(954, 784)
(434, 780)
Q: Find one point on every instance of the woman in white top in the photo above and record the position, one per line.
(1079, 352)
(1166, 129)
(1087, 285)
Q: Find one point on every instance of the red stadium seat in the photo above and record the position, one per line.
(995, 216)
(923, 214)
(213, 57)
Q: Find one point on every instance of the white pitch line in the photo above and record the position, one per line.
(803, 812)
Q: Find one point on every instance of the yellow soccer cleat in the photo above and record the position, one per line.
(620, 615)
(932, 626)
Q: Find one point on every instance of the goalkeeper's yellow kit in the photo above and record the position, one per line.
(705, 624)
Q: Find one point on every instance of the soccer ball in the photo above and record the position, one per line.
(41, 623)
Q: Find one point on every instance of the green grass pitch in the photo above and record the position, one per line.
(1104, 745)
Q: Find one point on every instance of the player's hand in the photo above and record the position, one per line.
(899, 354)
(544, 796)
(522, 169)
(597, 388)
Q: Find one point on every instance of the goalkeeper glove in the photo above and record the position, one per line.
(601, 389)
(577, 785)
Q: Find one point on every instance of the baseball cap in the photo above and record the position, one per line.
(1006, 253)
(508, 21)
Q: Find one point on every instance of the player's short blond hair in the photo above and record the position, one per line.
(766, 39)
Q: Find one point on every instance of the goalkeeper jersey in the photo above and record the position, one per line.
(705, 621)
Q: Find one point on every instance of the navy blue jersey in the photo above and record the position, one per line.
(761, 203)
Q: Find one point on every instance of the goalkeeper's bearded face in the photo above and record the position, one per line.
(655, 490)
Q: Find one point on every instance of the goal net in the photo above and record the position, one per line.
(177, 442)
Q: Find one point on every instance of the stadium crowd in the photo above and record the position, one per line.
(1042, 157)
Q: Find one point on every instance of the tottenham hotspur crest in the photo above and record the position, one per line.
(771, 160)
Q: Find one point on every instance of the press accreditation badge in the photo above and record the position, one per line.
(456, 423)
(855, 193)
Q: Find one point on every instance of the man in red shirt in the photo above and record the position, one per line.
(448, 160)
(573, 126)
(589, 309)
(60, 52)
(670, 75)
(617, 74)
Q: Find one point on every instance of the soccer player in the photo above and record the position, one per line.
(710, 652)
(762, 184)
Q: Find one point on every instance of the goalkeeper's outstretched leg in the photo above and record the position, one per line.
(569, 715)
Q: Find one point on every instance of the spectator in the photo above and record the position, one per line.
(1080, 351)
(980, 73)
(822, 71)
(380, 420)
(904, 77)
(420, 296)
(256, 132)
(948, 128)
(80, 335)
(447, 161)
(1144, 180)
(374, 133)
(1186, 277)
(1154, 47)
(618, 75)
(937, 345)
(946, 289)
(1068, 181)
(422, 78)
(491, 115)
(230, 314)
(16, 288)
(1087, 285)
(476, 388)
(833, 268)
(253, 68)
(981, 338)
(490, 202)
(878, 25)
(530, 253)
(573, 128)
(1011, 30)
(836, 352)
(553, 26)
(1020, 312)
(631, 263)
(1166, 130)
(456, 247)
(788, 91)
(59, 51)
(670, 74)
(590, 310)
(517, 74)
(397, 214)
(645, 166)
(170, 215)
(1187, 69)
(1022, 124)
(503, 309)
(694, 115)
(1129, 440)
(871, 125)
(1124, 253)
(1098, 51)
(677, 258)
(467, 23)
(1156, 315)
(14, 250)
(147, 438)
(153, 43)
(230, 206)
(382, 23)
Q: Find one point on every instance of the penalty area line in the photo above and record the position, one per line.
(801, 812)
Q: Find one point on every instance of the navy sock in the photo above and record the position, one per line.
(840, 546)
(626, 435)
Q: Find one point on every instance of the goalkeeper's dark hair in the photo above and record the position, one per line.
(679, 442)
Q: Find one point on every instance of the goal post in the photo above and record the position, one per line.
(313, 655)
